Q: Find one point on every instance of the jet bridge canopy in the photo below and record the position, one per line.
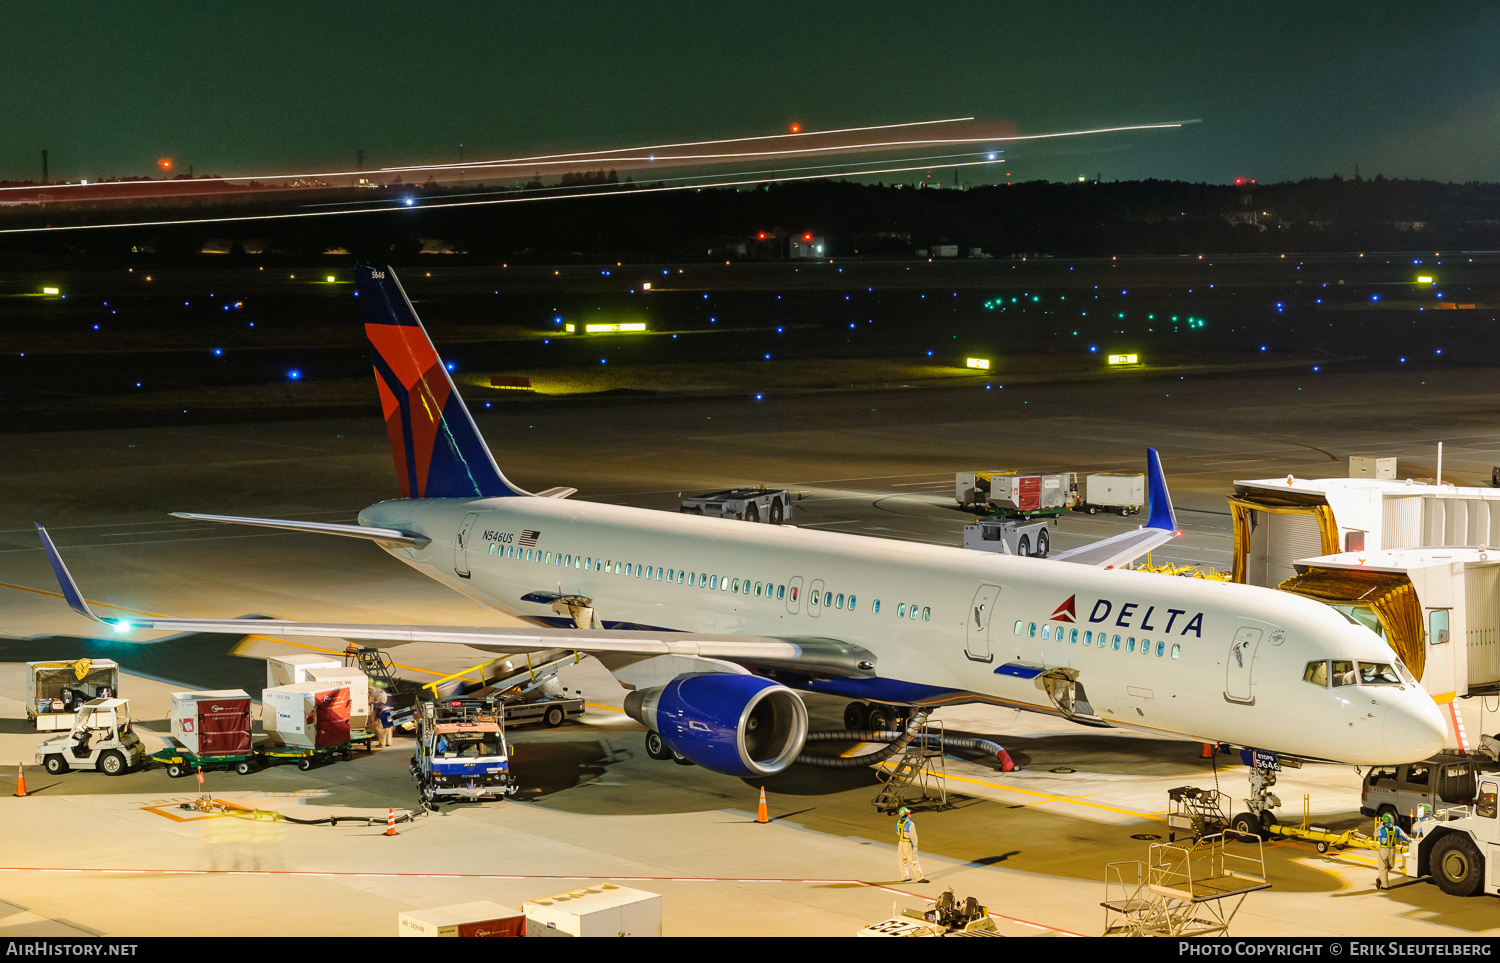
(1389, 595)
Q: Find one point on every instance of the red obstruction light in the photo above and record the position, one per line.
(796, 128)
(762, 235)
(165, 163)
(807, 237)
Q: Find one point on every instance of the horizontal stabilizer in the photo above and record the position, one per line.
(388, 535)
(1122, 549)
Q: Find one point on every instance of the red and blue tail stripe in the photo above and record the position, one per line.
(437, 448)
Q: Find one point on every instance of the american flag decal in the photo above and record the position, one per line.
(529, 537)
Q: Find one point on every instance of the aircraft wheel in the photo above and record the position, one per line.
(1246, 825)
(1457, 867)
(656, 748)
(56, 765)
(554, 717)
(856, 716)
(1023, 547)
(1042, 544)
(680, 759)
(880, 718)
(776, 512)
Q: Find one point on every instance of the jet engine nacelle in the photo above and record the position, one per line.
(740, 725)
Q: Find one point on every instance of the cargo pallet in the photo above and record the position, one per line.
(180, 762)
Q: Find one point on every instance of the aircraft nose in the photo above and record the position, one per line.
(1415, 728)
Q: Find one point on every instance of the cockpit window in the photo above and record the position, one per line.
(1316, 673)
(1378, 673)
(1343, 673)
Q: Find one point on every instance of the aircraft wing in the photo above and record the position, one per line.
(814, 656)
(1160, 527)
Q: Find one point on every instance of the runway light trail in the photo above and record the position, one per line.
(905, 165)
(575, 157)
(620, 192)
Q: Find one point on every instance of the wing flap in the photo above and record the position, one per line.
(388, 535)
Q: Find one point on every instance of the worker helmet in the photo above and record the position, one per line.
(1386, 819)
(903, 811)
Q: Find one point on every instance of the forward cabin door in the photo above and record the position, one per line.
(1239, 660)
(981, 616)
(461, 545)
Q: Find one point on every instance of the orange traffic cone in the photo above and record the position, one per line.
(21, 779)
(760, 815)
(390, 823)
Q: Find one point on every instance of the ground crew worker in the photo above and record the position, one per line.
(906, 846)
(1387, 837)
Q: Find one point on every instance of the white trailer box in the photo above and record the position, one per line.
(606, 910)
(1114, 491)
(214, 723)
(291, 669)
(55, 690)
(1366, 466)
(359, 691)
(480, 918)
(306, 715)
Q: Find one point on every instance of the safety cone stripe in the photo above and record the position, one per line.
(390, 822)
(760, 815)
(21, 779)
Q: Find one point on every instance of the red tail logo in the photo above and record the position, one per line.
(1065, 612)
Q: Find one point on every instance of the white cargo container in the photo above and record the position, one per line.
(1027, 492)
(1122, 492)
(306, 715)
(606, 910)
(213, 723)
(359, 691)
(480, 918)
(290, 669)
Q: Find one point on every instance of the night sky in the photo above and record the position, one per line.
(1284, 90)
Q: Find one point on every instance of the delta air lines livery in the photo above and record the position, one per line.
(766, 611)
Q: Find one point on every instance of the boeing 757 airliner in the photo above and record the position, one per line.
(767, 610)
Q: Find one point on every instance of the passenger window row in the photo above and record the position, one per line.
(1102, 640)
(721, 583)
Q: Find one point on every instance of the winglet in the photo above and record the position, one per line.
(71, 595)
(1157, 498)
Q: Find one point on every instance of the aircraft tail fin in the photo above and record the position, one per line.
(437, 448)
(1158, 500)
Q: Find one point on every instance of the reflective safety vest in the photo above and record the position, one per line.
(1389, 835)
(903, 829)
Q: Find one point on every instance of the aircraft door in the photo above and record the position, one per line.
(815, 598)
(1239, 672)
(981, 616)
(461, 545)
(794, 594)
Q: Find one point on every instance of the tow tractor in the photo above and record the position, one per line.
(944, 916)
(1455, 845)
(461, 751)
(102, 738)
